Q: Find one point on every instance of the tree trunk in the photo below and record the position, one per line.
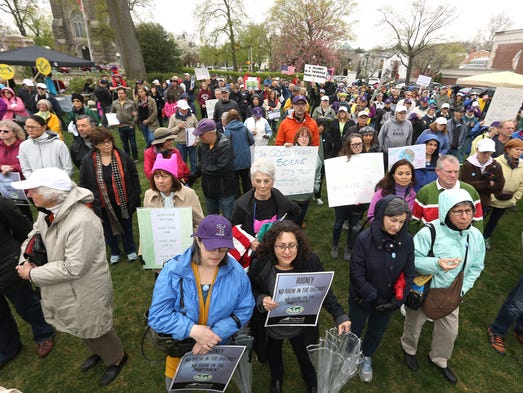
(409, 70)
(127, 39)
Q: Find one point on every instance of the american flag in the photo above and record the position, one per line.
(288, 70)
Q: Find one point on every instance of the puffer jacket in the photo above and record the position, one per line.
(77, 291)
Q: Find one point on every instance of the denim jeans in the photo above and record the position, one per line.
(148, 135)
(377, 323)
(353, 213)
(128, 138)
(225, 204)
(511, 312)
(113, 241)
(28, 306)
(188, 151)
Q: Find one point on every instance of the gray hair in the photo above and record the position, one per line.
(367, 130)
(224, 118)
(46, 102)
(263, 166)
(51, 194)
(91, 120)
(397, 207)
(446, 158)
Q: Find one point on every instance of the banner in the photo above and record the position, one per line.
(164, 233)
(202, 74)
(295, 167)
(17, 196)
(414, 154)
(353, 182)
(300, 297)
(210, 372)
(505, 104)
(314, 73)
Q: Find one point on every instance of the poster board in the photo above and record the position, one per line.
(505, 104)
(18, 197)
(210, 105)
(415, 154)
(314, 73)
(423, 80)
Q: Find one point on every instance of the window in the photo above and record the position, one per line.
(77, 25)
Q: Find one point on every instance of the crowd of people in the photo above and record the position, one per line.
(473, 173)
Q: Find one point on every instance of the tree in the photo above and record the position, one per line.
(499, 22)
(159, 49)
(127, 39)
(439, 56)
(221, 19)
(308, 31)
(255, 44)
(20, 10)
(417, 29)
(40, 26)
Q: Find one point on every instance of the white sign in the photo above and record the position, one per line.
(202, 73)
(352, 182)
(295, 167)
(505, 104)
(314, 73)
(189, 136)
(414, 154)
(210, 104)
(164, 233)
(7, 191)
(423, 80)
(112, 119)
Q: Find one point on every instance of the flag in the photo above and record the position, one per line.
(288, 70)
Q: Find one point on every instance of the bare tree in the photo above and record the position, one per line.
(20, 10)
(125, 32)
(224, 18)
(499, 22)
(417, 29)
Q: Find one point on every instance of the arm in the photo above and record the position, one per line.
(358, 271)
(375, 198)
(65, 159)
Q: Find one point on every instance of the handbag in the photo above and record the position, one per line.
(421, 283)
(440, 302)
(35, 251)
(504, 196)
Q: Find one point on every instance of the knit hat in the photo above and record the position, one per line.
(205, 125)
(166, 164)
(215, 231)
(76, 96)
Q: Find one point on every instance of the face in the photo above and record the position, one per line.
(77, 104)
(105, 146)
(121, 95)
(41, 91)
(507, 129)
(141, 93)
(448, 174)
(483, 156)
(163, 182)
(401, 116)
(34, 129)
(356, 145)
(393, 224)
(342, 114)
(167, 145)
(461, 215)
(286, 255)
(431, 147)
(211, 258)
(208, 137)
(458, 115)
(440, 127)
(367, 138)
(6, 134)
(403, 175)
(38, 199)
(42, 107)
(262, 185)
(303, 139)
(256, 101)
(84, 127)
(299, 108)
(515, 152)
(7, 93)
(362, 121)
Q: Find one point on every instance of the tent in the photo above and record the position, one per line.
(27, 57)
(494, 79)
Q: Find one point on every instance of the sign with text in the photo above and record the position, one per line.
(202, 73)
(505, 104)
(43, 66)
(210, 372)
(299, 297)
(252, 83)
(423, 80)
(17, 196)
(352, 182)
(314, 73)
(164, 233)
(414, 154)
(210, 105)
(295, 167)
(6, 72)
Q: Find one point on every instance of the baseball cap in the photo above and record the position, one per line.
(215, 231)
(183, 104)
(495, 124)
(363, 113)
(401, 108)
(41, 86)
(486, 144)
(445, 105)
(299, 98)
(28, 82)
(205, 125)
(441, 121)
(343, 108)
(257, 111)
(325, 98)
(51, 177)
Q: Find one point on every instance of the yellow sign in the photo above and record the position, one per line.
(6, 72)
(43, 66)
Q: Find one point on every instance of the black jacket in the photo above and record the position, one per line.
(337, 135)
(79, 150)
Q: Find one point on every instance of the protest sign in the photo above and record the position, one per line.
(423, 80)
(210, 104)
(17, 196)
(112, 119)
(352, 182)
(210, 372)
(251, 83)
(314, 73)
(164, 233)
(295, 167)
(414, 154)
(505, 104)
(202, 73)
(300, 297)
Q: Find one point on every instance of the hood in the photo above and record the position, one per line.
(77, 194)
(8, 89)
(235, 125)
(424, 138)
(46, 137)
(450, 198)
(377, 224)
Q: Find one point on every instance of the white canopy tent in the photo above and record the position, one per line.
(494, 79)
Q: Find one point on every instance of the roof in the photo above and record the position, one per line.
(27, 57)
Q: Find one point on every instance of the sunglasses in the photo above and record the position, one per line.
(5, 131)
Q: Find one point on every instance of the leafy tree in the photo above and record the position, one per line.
(255, 44)
(159, 49)
(20, 10)
(308, 31)
(439, 56)
(39, 23)
(417, 29)
(220, 20)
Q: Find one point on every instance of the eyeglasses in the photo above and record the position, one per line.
(5, 131)
(283, 247)
(356, 144)
(467, 212)
(108, 142)
(32, 127)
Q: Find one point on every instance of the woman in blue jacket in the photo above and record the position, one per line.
(381, 273)
(428, 174)
(216, 292)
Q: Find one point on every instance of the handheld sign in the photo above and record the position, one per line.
(6, 72)
(17, 196)
(43, 66)
(414, 154)
(202, 73)
(314, 73)
(505, 104)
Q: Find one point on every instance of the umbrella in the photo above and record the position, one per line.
(494, 79)
(335, 358)
(242, 377)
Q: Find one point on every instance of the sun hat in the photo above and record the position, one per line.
(161, 135)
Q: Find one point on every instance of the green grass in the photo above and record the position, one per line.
(477, 366)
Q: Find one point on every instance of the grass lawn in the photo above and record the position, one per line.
(477, 366)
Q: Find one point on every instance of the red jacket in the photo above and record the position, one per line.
(290, 125)
(9, 155)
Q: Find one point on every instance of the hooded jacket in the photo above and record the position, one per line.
(15, 105)
(427, 174)
(450, 243)
(241, 140)
(395, 134)
(378, 259)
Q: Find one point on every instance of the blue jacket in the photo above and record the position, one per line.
(450, 243)
(231, 293)
(241, 140)
(427, 174)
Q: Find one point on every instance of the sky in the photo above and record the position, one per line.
(473, 15)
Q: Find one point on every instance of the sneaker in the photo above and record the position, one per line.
(132, 257)
(487, 244)
(319, 202)
(334, 252)
(403, 311)
(366, 369)
(496, 342)
(519, 336)
(347, 254)
(115, 259)
(346, 225)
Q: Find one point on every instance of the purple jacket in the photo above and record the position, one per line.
(410, 197)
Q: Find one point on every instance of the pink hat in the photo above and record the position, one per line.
(167, 164)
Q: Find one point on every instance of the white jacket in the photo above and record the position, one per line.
(44, 152)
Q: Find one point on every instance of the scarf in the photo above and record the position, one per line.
(44, 115)
(118, 188)
(512, 162)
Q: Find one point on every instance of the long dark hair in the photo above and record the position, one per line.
(266, 250)
(346, 148)
(387, 184)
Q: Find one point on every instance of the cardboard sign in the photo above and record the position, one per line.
(314, 73)
(202, 73)
(423, 80)
(414, 154)
(505, 104)
(210, 104)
